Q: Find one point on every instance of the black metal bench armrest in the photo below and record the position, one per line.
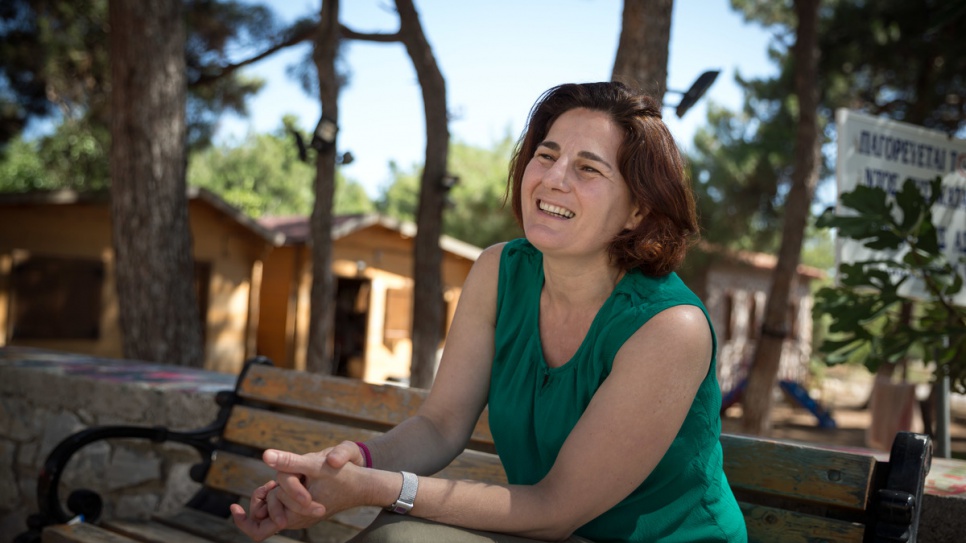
(899, 503)
(204, 440)
(48, 501)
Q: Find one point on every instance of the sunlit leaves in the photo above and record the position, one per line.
(867, 323)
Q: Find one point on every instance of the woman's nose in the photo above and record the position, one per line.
(556, 176)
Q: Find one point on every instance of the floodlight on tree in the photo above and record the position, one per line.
(697, 90)
(324, 136)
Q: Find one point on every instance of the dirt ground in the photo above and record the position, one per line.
(842, 391)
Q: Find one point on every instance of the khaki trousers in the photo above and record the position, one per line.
(392, 528)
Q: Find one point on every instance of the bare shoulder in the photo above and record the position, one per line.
(680, 333)
(489, 259)
(688, 320)
(486, 269)
(480, 288)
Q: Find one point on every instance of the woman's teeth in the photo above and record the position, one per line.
(556, 210)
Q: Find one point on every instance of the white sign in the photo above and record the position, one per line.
(882, 153)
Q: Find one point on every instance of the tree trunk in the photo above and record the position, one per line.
(642, 51)
(149, 209)
(319, 356)
(427, 272)
(757, 401)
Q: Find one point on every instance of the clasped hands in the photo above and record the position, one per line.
(307, 489)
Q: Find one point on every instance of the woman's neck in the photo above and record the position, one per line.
(579, 285)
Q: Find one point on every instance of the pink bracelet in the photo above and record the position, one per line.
(365, 453)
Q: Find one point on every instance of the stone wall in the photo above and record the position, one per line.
(46, 396)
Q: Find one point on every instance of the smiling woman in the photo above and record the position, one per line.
(596, 361)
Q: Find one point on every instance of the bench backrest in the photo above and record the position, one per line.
(787, 491)
(304, 412)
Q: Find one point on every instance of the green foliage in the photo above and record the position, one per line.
(261, 176)
(54, 57)
(400, 200)
(74, 157)
(21, 169)
(264, 175)
(350, 197)
(897, 58)
(866, 307)
(475, 212)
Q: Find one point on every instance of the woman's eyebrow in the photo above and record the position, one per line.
(554, 146)
(595, 157)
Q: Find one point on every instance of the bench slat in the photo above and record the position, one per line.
(211, 528)
(148, 531)
(81, 533)
(797, 471)
(271, 430)
(387, 405)
(767, 524)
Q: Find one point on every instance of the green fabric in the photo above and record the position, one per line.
(534, 407)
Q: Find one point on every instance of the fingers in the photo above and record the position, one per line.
(343, 453)
(297, 496)
(256, 530)
(257, 507)
(276, 510)
(299, 506)
(291, 462)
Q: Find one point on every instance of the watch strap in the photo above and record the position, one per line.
(407, 495)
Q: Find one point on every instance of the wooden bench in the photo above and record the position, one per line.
(787, 491)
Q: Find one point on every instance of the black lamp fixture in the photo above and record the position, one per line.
(449, 181)
(697, 90)
(324, 136)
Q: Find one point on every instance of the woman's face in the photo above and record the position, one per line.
(574, 199)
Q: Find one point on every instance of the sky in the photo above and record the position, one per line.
(497, 57)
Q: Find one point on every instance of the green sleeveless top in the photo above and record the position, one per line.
(534, 407)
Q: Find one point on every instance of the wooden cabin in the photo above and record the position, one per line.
(373, 264)
(734, 286)
(253, 280)
(57, 274)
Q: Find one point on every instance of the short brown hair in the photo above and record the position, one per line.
(648, 159)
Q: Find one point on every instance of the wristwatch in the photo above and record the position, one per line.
(407, 496)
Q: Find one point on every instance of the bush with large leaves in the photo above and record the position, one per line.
(865, 305)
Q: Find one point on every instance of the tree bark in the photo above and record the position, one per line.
(149, 208)
(642, 51)
(757, 401)
(319, 355)
(427, 272)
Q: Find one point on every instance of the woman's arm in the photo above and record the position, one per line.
(625, 431)
(438, 433)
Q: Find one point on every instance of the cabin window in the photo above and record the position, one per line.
(56, 298)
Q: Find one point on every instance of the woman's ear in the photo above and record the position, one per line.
(637, 215)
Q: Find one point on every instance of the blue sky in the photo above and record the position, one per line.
(497, 56)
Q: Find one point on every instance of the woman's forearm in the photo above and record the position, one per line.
(417, 445)
(476, 505)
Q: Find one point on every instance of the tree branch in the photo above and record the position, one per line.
(380, 37)
(302, 31)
